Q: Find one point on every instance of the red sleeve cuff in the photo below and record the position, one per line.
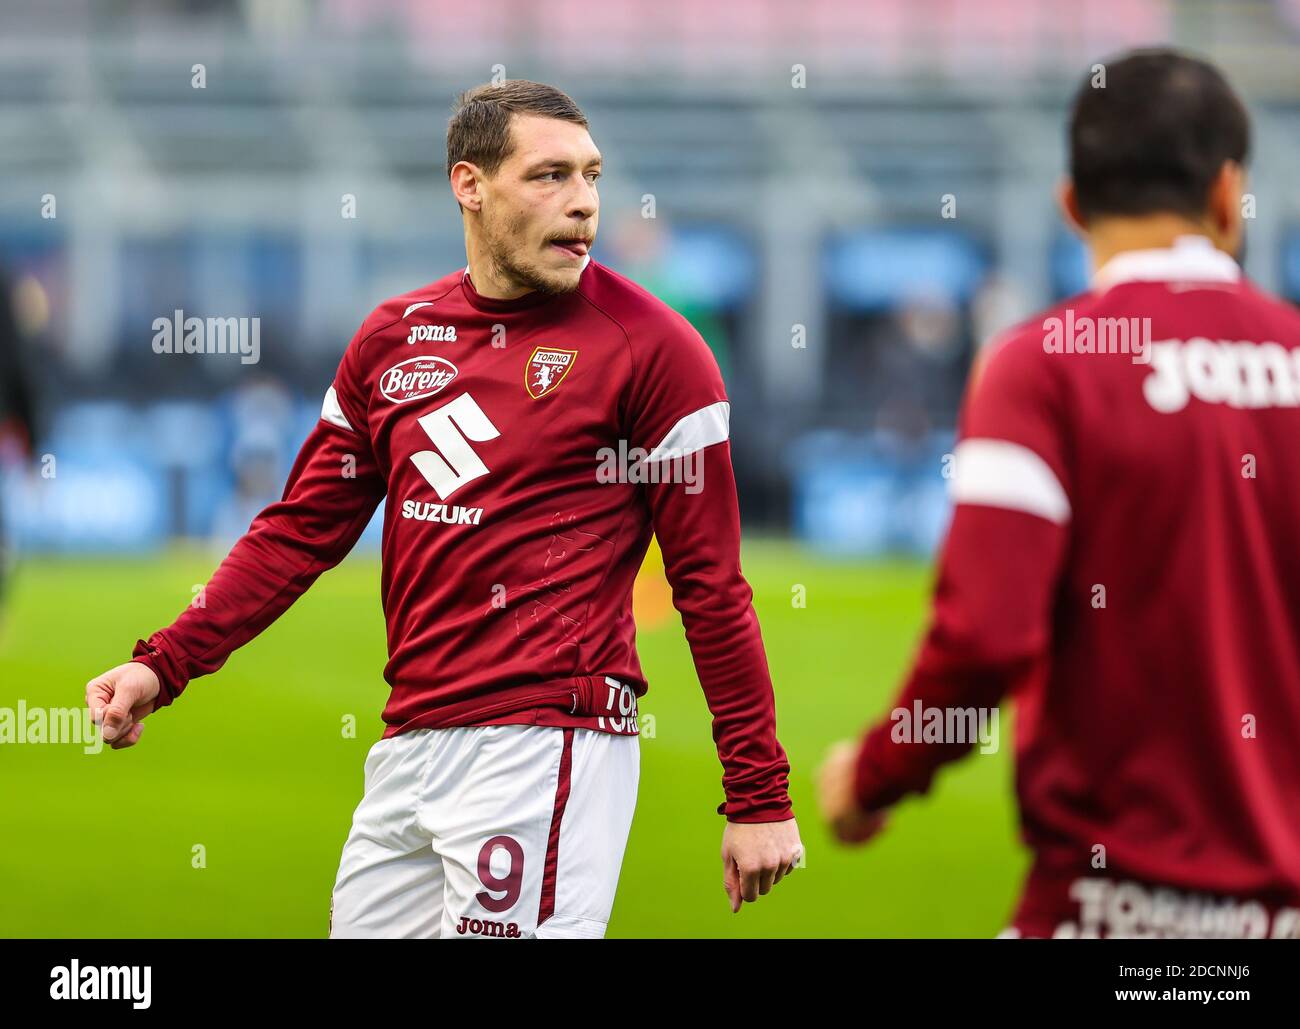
(746, 813)
(157, 656)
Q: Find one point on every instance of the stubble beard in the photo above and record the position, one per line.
(503, 253)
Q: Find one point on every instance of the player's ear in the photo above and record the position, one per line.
(466, 182)
(1068, 201)
(1225, 204)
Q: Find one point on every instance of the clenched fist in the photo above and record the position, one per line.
(119, 700)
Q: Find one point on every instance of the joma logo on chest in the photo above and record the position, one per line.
(432, 334)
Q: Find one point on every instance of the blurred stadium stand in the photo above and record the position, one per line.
(778, 211)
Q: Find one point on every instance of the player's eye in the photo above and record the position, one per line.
(592, 177)
(550, 176)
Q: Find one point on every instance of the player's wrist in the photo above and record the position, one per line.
(872, 790)
(155, 656)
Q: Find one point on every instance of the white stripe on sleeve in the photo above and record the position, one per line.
(699, 429)
(996, 473)
(332, 413)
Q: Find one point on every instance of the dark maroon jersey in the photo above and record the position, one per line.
(1124, 556)
(528, 449)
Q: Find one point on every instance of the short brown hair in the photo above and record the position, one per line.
(479, 130)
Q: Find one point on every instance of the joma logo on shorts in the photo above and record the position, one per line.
(484, 927)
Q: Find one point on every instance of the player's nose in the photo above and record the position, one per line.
(584, 201)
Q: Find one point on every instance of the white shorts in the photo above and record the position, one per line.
(488, 831)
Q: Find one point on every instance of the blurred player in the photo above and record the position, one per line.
(484, 407)
(1124, 554)
(17, 419)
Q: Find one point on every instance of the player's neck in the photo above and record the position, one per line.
(1108, 237)
(486, 277)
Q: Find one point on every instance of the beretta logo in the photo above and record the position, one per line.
(416, 379)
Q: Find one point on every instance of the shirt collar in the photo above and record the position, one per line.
(1190, 259)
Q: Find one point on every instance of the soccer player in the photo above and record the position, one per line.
(1124, 555)
(491, 409)
(17, 414)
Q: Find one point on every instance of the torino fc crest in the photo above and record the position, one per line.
(546, 369)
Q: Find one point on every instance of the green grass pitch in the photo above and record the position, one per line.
(253, 766)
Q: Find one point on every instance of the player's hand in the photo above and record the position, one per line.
(756, 856)
(119, 700)
(838, 798)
